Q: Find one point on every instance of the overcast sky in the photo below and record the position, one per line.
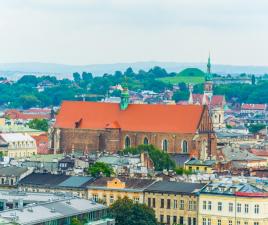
(112, 31)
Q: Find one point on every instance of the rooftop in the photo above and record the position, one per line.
(174, 187)
(12, 171)
(142, 117)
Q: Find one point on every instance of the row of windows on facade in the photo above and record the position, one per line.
(96, 198)
(184, 144)
(27, 144)
(207, 205)
(21, 154)
(176, 204)
(207, 221)
(180, 220)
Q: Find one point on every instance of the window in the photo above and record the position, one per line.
(184, 146)
(111, 199)
(192, 205)
(194, 221)
(238, 223)
(209, 205)
(162, 203)
(175, 219)
(246, 208)
(204, 205)
(204, 221)
(219, 222)
(246, 223)
(189, 220)
(136, 200)
(153, 202)
(149, 202)
(165, 145)
(219, 206)
(175, 204)
(181, 220)
(181, 204)
(238, 207)
(127, 142)
(95, 198)
(168, 203)
(230, 222)
(168, 219)
(209, 221)
(161, 218)
(145, 141)
(256, 209)
(231, 207)
(256, 223)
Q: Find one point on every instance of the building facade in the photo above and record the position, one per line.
(233, 204)
(98, 126)
(174, 202)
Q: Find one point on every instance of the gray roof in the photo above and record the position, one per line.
(198, 162)
(174, 187)
(235, 154)
(49, 211)
(12, 171)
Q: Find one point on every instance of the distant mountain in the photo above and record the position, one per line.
(15, 70)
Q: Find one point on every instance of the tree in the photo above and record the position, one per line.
(255, 128)
(100, 168)
(76, 221)
(28, 79)
(129, 72)
(28, 101)
(161, 159)
(76, 77)
(87, 77)
(39, 124)
(126, 212)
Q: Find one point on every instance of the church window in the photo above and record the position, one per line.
(165, 145)
(145, 141)
(184, 146)
(127, 142)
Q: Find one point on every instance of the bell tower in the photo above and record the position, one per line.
(208, 86)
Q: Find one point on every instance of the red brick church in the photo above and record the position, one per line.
(98, 126)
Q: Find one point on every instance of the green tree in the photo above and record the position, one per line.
(160, 159)
(126, 212)
(28, 101)
(76, 77)
(255, 128)
(39, 124)
(100, 168)
(76, 221)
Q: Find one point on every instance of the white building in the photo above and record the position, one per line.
(18, 145)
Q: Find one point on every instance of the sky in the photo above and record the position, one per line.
(81, 32)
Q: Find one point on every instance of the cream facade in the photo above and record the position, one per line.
(18, 145)
(228, 205)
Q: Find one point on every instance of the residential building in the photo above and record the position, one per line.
(56, 183)
(11, 175)
(200, 166)
(174, 202)
(108, 190)
(223, 203)
(19, 145)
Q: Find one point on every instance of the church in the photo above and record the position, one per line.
(215, 103)
(108, 127)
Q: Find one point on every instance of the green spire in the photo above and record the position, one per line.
(208, 74)
(124, 96)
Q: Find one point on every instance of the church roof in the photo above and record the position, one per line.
(216, 100)
(137, 117)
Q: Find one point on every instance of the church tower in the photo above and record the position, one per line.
(208, 86)
(124, 96)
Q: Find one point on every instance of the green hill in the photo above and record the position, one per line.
(188, 75)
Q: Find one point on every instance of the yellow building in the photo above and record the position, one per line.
(200, 166)
(108, 190)
(233, 204)
(174, 202)
(17, 145)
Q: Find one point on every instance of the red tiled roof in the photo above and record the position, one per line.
(137, 117)
(217, 100)
(253, 106)
(15, 114)
(259, 152)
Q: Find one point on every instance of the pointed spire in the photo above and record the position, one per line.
(124, 96)
(191, 100)
(209, 65)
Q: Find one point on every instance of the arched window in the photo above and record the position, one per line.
(184, 146)
(165, 145)
(145, 141)
(127, 142)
